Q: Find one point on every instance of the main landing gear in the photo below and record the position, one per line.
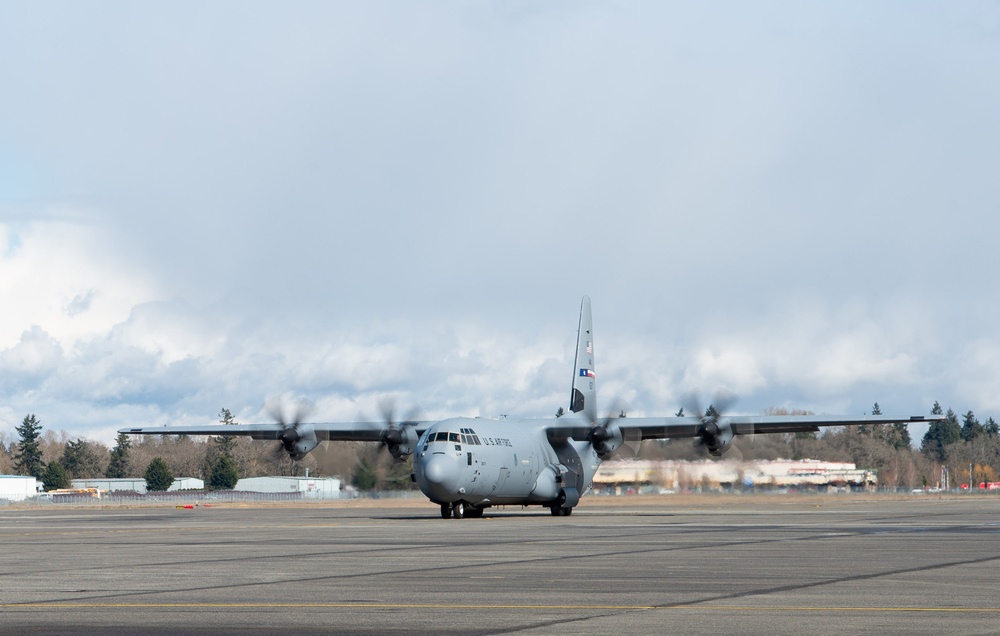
(559, 511)
(459, 510)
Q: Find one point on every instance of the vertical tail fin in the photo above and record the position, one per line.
(584, 396)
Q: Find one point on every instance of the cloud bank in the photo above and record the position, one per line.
(210, 206)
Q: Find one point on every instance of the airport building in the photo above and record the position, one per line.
(137, 484)
(18, 488)
(618, 477)
(308, 487)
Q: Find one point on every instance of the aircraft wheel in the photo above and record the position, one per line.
(445, 511)
(458, 509)
(567, 512)
(555, 510)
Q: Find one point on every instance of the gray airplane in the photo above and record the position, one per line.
(466, 465)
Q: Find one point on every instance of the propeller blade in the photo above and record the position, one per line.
(710, 418)
(290, 429)
(395, 429)
(632, 440)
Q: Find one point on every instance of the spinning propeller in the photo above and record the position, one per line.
(609, 439)
(294, 439)
(716, 431)
(399, 437)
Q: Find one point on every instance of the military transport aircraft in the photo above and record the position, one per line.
(466, 465)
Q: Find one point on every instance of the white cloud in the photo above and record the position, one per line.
(66, 275)
(36, 355)
(346, 202)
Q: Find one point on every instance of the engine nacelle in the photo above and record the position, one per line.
(301, 443)
(717, 435)
(401, 441)
(606, 440)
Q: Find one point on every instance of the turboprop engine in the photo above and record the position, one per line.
(606, 438)
(716, 433)
(400, 440)
(297, 440)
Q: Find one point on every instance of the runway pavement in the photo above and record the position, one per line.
(835, 564)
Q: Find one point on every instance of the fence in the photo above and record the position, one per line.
(201, 497)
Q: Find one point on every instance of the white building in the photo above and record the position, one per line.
(779, 473)
(310, 487)
(137, 484)
(18, 488)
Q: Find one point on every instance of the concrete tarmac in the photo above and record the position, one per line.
(831, 564)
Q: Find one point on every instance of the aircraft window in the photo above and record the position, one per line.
(454, 437)
(465, 438)
(475, 440)
(441, 437)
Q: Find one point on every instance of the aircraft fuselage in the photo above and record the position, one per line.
(499, 462)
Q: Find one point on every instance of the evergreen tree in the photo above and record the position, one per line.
(158, 475)
(226, 443)
(971, 428)
(118, 466)
(901, 436)
(365, 476)
(896, 435)
(28, 458)
(940, 435)
(82, 460)
(55, 477)
(224, 475)
(869, 430)
(991, 428)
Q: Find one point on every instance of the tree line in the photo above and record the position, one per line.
(946, 452)
(56, 459)
(957, 449)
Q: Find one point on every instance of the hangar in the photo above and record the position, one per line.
(309, 487)
(137, 484)
(18, 488)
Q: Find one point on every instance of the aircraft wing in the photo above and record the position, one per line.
(661, 428)
(677, 427)
(324, 431)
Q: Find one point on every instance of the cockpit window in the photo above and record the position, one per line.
(454, 437)
(441, 437)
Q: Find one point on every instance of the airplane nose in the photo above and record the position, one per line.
(440, 476)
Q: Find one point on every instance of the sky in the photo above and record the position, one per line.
(235, 203)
